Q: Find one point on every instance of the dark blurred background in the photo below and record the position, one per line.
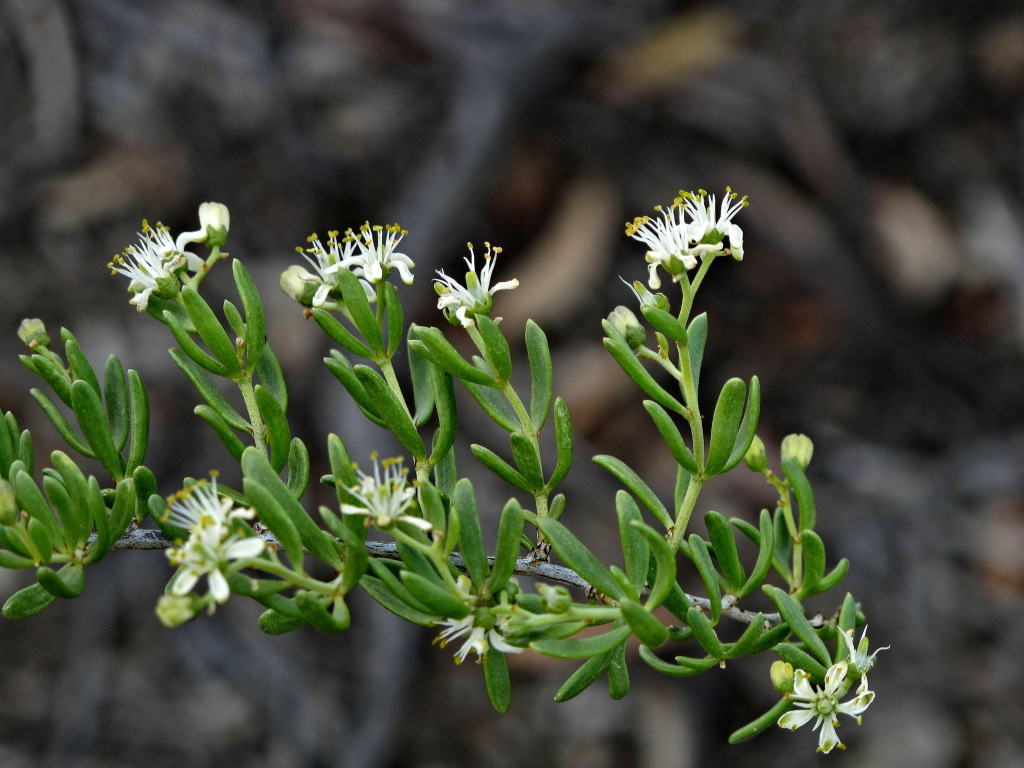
(881, 301)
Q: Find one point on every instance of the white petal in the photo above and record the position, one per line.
(834, 677)
(219, 586)
(246, 548)
(857, 705)
(498, 642)
(828, 739)
(186, 580)
(795, 718)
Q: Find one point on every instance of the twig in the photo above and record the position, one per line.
(149, 538)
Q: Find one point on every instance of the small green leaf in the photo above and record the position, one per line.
(61, 424)
(443, 395)
(341, 463)
(224, 432)
(645, 626)
(495, 347)
(278, 433)
(708, 574)
(359, 309)
(618, 673)
(471, 542)
(437, 598)
(793, 614)
(833, 577)
(115, 396)
(802, 491)
(313, 608)
(298, 468)
(634, 483)
(563, 443)
(340, 334)
(499, 686)
(697, 336)
(391, 410)
(276, 519)
(343, 371)
(54, 375)
(526, 454)
(139, 426)
(92, 420)
(385, 596)
(494, 405)
(420, 371)
(748, 427)
(724, 545)
(629, 363)
(584, 677)
(76, 519)
(847, 621)
(541, 376)
(272, 377)
(255, 319)
(748, 640)
(665, 322)
(673, 439)
(635, 550)
(762, 723)
(765, 540)
(575, 555)
(396, 318)
(81, 370)
(500, 467)
(431, 344)
(664, 581)
(582, 648)
(725, 425)
(210, 330)
(27, 602)
(67, 583)
(814, 564)
(192, 350)
(704, 634)
(275, 623)
(209, 391)
(800, 659)
(667, 668)
(510, 529)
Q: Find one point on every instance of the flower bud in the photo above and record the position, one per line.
(557, 599)
(8, 504)
(782, 676)
(756, 458)
(215, 219)
(799, 448)
(295, 283)
(175, 610)
(33, 333)
(626, 323)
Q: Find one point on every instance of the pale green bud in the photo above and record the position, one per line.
(295, 283)
(175, 610)
(215, 219)
(646, 298)
(626, 323)
(8, 504)
(799, 448)
(756, 457)
(557, 599)
(33, 333)
(782, 676)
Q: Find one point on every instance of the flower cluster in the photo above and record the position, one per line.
(675, 244)
(384, 497)
(476, 297)
(153, 264)
(215, 540)
(483, 628)
(824, 704)
(370, 254)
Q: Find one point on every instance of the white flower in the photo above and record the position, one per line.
(481, 638)
(150, 265)
(384, 497)
(214, 220)
(377, 254)
(859, 658)
(823, 706)
(706, 233)
(666, 240)
(476, 297)
(213, 542)
(326, 262)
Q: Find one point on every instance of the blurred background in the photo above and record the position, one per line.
(881, 302)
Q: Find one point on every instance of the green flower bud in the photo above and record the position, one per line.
(799, 448)
(295, 283)
(646, 298)
(626, 323)
(175, 610)
(557, 599)
(8, 504)
(33, 333)
(782, 676)
(756, 458)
